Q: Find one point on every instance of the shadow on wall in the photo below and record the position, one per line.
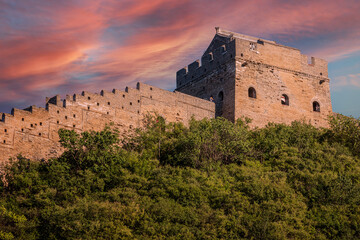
(219, 104)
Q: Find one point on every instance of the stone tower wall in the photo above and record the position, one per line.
(238, 62)
(215, 75)
(33, 132)
(273, 70)
(231, 65)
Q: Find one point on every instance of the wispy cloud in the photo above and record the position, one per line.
(91, 44)
(352, 80)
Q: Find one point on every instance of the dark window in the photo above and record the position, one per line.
(123, 95)
(4, 141)
(22, 129)
(98, 104)
(65, 117)
(151, 88)
(108, 103)
(285, 100)
(31, 125)
(73, 125)
(211, 57)
(58, 111)
(39, 134)
(40, 123)
(22, 119)
(252, 92)
(223, 49)
(74, 116)
(130, 103)
(88, 107)
(316, 107)
(57, 122)
(89, 98)
(5, 130)
(221, 96)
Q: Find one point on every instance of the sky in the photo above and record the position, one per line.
(50, 47)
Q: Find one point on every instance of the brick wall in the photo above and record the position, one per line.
(33, 131)
(231, 65)
(271, 69)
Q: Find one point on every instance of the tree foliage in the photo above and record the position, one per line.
(211, 180)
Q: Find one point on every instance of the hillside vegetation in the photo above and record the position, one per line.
(212, 180)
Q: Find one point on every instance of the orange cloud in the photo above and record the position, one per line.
(92, 44)
(49, 46)
(129, 10)
(26, 58)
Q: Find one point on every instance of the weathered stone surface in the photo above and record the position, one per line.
(34, 132)
(233, 63)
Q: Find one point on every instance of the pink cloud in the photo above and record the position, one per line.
(48, 48)
(132, 9)
(347, 80)
(112, 43)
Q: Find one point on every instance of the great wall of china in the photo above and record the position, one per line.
(243, 76)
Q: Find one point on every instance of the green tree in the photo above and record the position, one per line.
(211, 180)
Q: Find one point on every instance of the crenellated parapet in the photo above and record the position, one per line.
(210, 61)
(228, 45)
(237, 76)
(33, 131)
(314, 66)
(249, 76)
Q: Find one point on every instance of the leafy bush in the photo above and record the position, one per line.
(211, 180)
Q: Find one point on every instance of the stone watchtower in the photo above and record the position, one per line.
(259, 79)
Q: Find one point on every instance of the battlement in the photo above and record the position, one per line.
(56, 100)
(230, 46)
(248, 76)
(24, 130)
(209, 62)
(230, 34)
(237, 76)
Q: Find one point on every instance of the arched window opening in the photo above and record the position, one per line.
(211, 57)
(221, 96)
(285, 100)
(252, 92)
(223, 49)
(316, 107)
